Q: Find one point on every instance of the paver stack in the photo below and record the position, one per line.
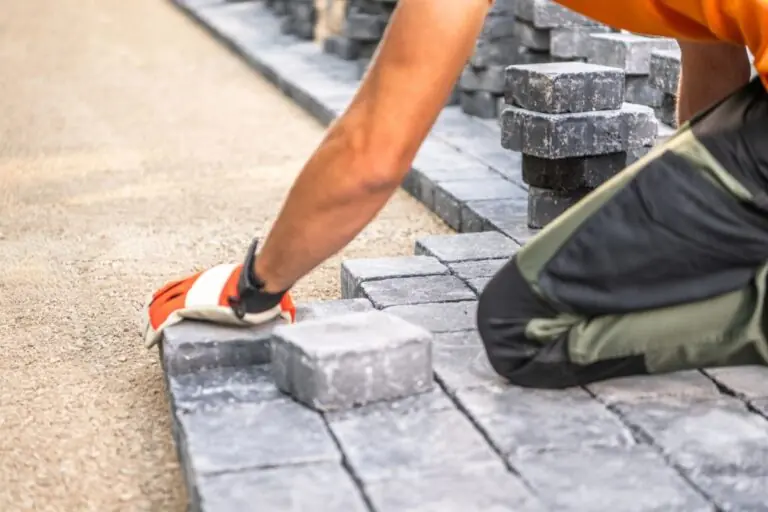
(299, 17)
(664, 72)
(574, 130)
(632, 54)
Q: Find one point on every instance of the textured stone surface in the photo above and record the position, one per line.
(705, 437)
(426, 179)
(508, 216)
(445, 317)
(747, 381)
(520, 421)
(532, 37)
(351, 360)
(549, 14)
(484, 489)
(416, 290)
(326, 309)
(411, 444)
(466, 247)
(572, 174)
(364, 27)
(355, 272)
(460, 361)
(478, 284)
(498, 52)
(479, 268)
(664, 69)
(667, 112)
(597, 480)
(545, 205)
(220, 387)
(341, 46)
(451, 196)
(640, 91)
(630, 52)
(685, 384)
(578, 134)
(564, 87)
(282, 489)
(489, 79)
(191, 346)
(225, 439)
(572, 42)
(482, 104)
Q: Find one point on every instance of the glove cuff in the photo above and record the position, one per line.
(250, 289)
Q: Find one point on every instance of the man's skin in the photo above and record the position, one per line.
(367, 152)
(709, 72)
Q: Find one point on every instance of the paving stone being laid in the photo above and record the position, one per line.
(485, 489)
(351, 360)
(595, 480)
(711, 441)
(355, 272)
(685, 384)
(520, 421)
(466, 246)
(416, 290)
(251, 436)
(275, 489)
(451, 196)
(445, 317)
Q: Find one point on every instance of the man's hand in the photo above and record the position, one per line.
(224, 294)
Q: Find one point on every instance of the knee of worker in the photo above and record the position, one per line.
(503, 312)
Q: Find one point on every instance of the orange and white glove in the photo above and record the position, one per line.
(224, 294)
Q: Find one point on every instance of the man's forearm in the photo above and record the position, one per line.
(708, 73)
(368, 152)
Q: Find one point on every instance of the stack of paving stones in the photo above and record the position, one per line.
(364, 27)
(299, 17)
(664, 73)
(632, 53)
(574, 131)
(571, 43)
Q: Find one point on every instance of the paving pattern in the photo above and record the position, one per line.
(689, 441)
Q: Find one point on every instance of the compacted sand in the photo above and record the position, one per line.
(133, 148)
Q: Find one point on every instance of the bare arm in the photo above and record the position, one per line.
(708, 73)
(366, 154)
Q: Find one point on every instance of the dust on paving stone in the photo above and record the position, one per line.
(133, 149)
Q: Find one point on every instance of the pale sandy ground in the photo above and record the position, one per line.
(133, 148)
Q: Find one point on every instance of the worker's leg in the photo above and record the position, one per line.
(708, 73)
(659, 269)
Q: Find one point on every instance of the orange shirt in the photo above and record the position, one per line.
(742, 22)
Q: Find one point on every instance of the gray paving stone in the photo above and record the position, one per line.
(737, 493)
(329, 308)
(564, 87)
(545, 205)
(521, 420)
(508, 216)
(223, 440)
(532, 37)
(351, 360)
(482, 104)
(355, 272)
(479, 268)
(630, 52)
(451, 196)
(486, 489)
(664, 69)
(466, 246)
(761, 406)
(572, 174)
(571, 42)
(496, 27)
(405, 291)
(410, 445)
(631, 480)
(429, 402)
(192, 346)
(478, 284)
(746, 381)
(445, 317)
(460, 361)
(684, 384)
(704, 437)
(220, 387)
(426, 180)
(275, 489)
(343, 47)
(364, 27)
(667, 112)
(499, 52)
(640, 91)
(579, 134)
(489, 79)
(549, 14)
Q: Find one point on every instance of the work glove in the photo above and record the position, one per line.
(225, 294)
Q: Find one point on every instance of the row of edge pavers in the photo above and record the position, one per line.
(399, 410)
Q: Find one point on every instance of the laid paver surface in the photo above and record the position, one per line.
(133, 148)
